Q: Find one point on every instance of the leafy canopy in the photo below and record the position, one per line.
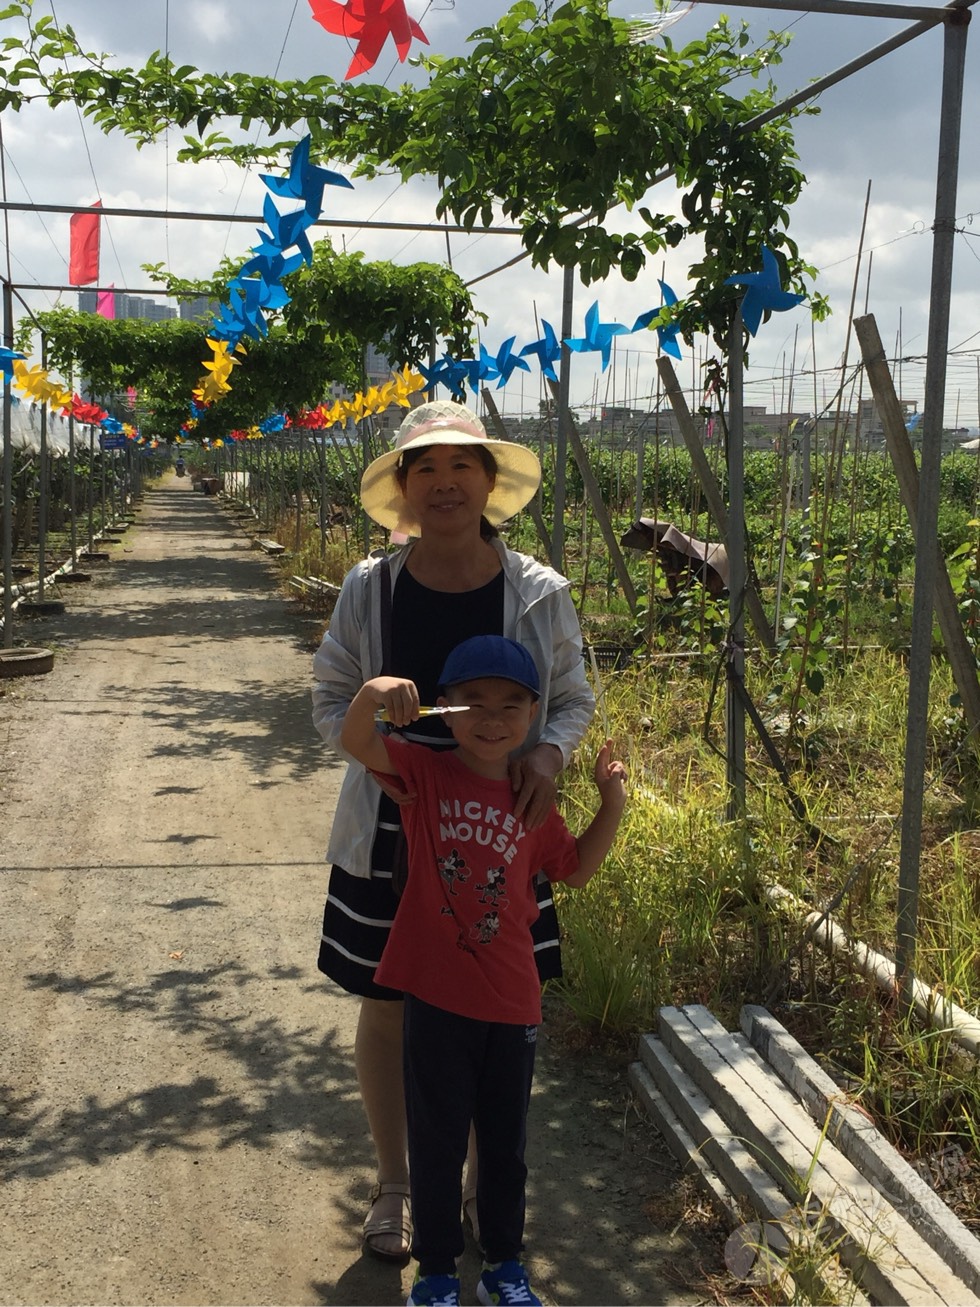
(340, 305)
(555, 121)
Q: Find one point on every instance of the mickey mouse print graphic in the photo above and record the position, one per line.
(452, 869)
(494, 890)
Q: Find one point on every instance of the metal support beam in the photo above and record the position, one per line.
(927, 544)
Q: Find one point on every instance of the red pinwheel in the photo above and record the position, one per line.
(369, 23)
(84, 412)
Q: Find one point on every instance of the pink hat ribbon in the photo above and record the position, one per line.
(461, 425)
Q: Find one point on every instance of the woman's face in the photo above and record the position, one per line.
(447, 488)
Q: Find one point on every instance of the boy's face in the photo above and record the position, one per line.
(500, 716)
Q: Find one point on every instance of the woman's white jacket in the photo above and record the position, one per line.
(538, 612)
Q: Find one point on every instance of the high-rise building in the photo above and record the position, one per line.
(128, 306)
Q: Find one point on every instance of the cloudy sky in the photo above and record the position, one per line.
(878, 129)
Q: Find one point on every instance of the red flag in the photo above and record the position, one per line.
(83, 263)
(105, 302)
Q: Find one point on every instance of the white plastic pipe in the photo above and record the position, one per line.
(936, 1011)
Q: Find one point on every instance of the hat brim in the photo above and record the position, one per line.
(517, 480)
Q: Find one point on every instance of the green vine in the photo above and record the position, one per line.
(554, 122)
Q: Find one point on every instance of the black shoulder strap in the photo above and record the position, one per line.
(384, 567)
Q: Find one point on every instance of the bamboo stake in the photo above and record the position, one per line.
(961, 659)
(712, 493)
(599, 508)
(534, 507)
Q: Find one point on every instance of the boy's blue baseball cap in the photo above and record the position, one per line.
(490, 655)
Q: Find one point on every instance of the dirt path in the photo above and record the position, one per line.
(179, 1121)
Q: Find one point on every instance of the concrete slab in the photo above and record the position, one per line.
(849, 1128)
(882, 1249)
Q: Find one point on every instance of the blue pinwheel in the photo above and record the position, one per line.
(111, 426)
(507, 361)
(7, 357)
(227, 325)
(668, 335)
(764, 293)
(448, 372)
(270, 267)
(285, 231)
(269, 425)
(248, 317)
(598, 336)
(480, 369)
(305, 181)
(548, 351)
(260, 294)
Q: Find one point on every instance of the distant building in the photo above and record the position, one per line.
(198, 309)
(128, 306)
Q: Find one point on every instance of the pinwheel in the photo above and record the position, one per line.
(764, 293)
(223, 361)
(285, 231)
(270, 267)
(404, 384)
(506, 362)
(668, 335)
(28, 378)
(275, 422)
(369, 23)
(305, 181)
(598, 336)
(249, 317)
(210, 389)
(480, 369)
(90, 414)
(111, 426)
(36, 383)
(548, 351)
(7, 359)
(446, 372)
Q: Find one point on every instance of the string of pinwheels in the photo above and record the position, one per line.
(458, 374)
(376, 399)
(763, 294)
(257, 289)
(36, 383)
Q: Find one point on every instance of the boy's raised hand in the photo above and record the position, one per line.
(610, 777)
(396, 695)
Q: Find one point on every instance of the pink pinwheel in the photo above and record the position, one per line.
(369, 23)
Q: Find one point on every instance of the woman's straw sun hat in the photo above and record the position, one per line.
(444, 422)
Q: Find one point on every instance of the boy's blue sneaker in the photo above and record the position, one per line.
(507, 1284)
(434, 1291)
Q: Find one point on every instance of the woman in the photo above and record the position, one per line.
(446, 485)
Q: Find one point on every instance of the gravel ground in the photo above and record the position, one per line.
(179, 1119)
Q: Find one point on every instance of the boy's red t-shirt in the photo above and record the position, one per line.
(461, 936)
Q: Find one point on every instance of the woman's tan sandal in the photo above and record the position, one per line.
(389, 1237)
(470, 1216)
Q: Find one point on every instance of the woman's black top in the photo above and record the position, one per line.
(426, 625)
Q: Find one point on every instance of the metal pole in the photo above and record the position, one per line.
(735, 667)
(8, 479)
(926, 552)
(299, 488)
(73, 526)
(42, 503)
(564, 420)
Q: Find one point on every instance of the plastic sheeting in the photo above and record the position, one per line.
(25, 430)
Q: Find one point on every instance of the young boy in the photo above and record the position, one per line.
(461, 950)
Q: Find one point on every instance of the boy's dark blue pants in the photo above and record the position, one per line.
(458, 1070)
